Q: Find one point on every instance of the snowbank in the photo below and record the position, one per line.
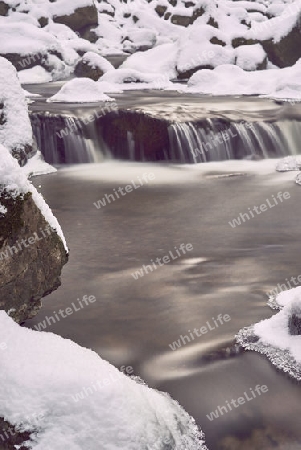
(81, 90)
(232, 80)
(274, 337)
(81, 400)
(15, 126)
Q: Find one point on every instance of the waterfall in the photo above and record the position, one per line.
(130, 135)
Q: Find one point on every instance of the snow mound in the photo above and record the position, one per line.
(35, 75)
(81, 90)
(14, 179)
(133, 79)
(95, 60)
(99, 408)
(272, 337)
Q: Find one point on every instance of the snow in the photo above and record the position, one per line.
(65, 7)
(161, 59)
(35, 75)
(248, 57)
(95, 60)
(100, 407)
(15, 181)
(37, 166)
(16, 131)
(80, 90)
(272, 336)
(232, 80)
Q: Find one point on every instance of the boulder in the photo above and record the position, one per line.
(161, 10)
(287, 51)
(184, 21)
(4, 8)
(80, 18)
(32, 256)
(92, 66)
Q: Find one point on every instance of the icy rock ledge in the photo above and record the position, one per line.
(279, 338)
(289, 163)
(82, 401)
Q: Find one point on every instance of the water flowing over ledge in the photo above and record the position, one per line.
(138, 136)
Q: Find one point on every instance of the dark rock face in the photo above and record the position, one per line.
(10, 437)
(80, 19)
(3, 8)
(294, 324)
(89, 34)
(84, 69)
(31, 263)
(185, 74)
(287, 51)
(184, 21)
(237, 42)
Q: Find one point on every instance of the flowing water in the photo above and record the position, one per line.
(229, 271)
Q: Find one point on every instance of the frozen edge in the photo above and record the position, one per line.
(281, 359)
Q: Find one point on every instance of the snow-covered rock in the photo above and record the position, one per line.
(15, 126)
(92, 66)
(32, 245)
(80, 90)
(100, 407)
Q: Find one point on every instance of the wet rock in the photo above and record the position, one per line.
(10, 438)
(32, 257)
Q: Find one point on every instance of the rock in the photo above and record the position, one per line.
(216, 41)
(80, 19)
(92, 66)
(237, 42)
(89, 34)
(139, 40)
(4, 8)
(294, 324)
(212, 22)
(161, 10)
(32, 257)
(43, 21)
(287, 51)
(185, 74)
(184, 21)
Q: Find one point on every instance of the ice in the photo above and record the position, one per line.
(272, 337)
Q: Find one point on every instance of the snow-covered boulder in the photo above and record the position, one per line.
(15, 126)
(139, 40)
(92, 66)
(32, 245)
(251, 57)
(80, 90)
(67, 397)
(79, 15)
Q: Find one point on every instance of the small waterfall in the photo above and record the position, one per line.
(137, 136)
(196, 142)
(65, 139)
